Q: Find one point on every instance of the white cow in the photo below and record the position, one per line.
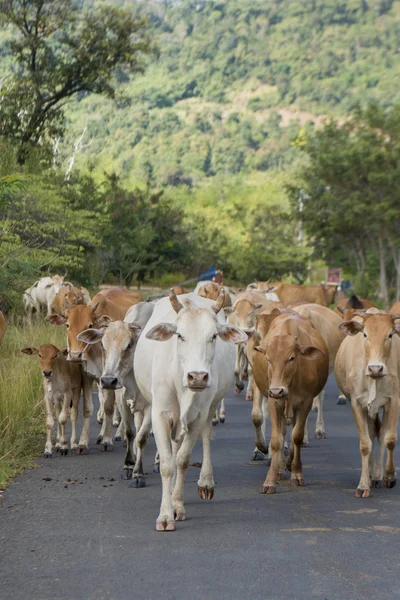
(41, 295)
(184, 363)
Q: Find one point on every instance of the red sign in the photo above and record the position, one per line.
(334, 275)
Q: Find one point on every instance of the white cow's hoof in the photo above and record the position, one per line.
(205, 493)
(222, 419)
(257, 455)
(47, 455)
(341, 400)
(138, 481)
(361, 493)
(320, 435)
(82, 449)
(107, 447)
(165, 525)
(127, 473)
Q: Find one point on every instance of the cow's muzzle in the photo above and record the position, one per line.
(197, 380)
(109, 383)
(47, 373)
(77, 357)
(278, 392)
(376, 371)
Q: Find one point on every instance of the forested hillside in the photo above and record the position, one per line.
(233, 81)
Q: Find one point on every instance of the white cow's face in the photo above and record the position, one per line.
(196, 331)
(58, 281)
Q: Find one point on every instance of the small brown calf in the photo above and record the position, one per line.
(62, 384)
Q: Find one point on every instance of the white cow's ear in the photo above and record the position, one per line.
(161, 332)
(30, 351)
(56, 319)
(228, 310)
(104, 321)
(311, 352)
(351, 327)
(90, 336)
(251, 333)
(230, 333)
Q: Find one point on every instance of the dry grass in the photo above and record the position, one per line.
(21, 409)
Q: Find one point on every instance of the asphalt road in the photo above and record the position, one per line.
(72, 530)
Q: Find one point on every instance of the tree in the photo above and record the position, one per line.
(60, 52)
(351, 208)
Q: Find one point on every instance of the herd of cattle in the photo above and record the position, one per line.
(165, 365)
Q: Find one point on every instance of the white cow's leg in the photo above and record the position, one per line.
(130, 430)
(162, 425)
(257, 415)
(100, 412)
(106, 430)
(83, 446)
(48, 448)
(363, 489)
(116, 416)
(62, 419)
(156, 464)
(120, 432)
(250, 386)
(143, 431)
(74, 417)
(206, 482)
(320, 425)
(215, 419)
(306, 440)
(182, 463)
(222, 411)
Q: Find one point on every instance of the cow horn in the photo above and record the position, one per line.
(395, 316)
(176, 305)
(66, 271)
(219, 303)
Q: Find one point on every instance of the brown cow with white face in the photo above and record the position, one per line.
(106, 305)
(290, 368)
(290, 293)
(367, 371)
(62, 384)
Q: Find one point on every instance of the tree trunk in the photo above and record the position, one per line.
(383, 290)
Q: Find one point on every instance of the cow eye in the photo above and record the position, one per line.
(129, 346)
(90, 326)
(180, 337)
(292, 358)
(390, 335)
(67, 325)
(214, 337)
(365, 335)
(40, 356)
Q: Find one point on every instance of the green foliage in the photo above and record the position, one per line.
(234, 80)
(59, 52)
(351, 193)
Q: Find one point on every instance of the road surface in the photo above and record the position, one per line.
(72, 530)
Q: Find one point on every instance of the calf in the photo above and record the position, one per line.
(367, 371)
(62, 384)
(183, 365)
(290, 368)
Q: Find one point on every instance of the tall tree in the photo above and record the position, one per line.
(61, 51)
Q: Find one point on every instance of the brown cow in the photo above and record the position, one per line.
(243, 314)
(3, 326)
(211, 291)
(62, 384)
(395, 310)
(290, 293)
(107, 304)
(326, 322)
(367, 371)
(69, 294)
(346, 307)
(290, 368)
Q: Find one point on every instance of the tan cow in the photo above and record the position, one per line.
(290, 368)
(69, 294)
(326, 322)
(243, 314)
(290, 293)
(62, 384)
(367, 371)
(395, 310)
(211, 291)
(107, 304)
(3, 326)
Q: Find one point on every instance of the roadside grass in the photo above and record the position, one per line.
(22, 421)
